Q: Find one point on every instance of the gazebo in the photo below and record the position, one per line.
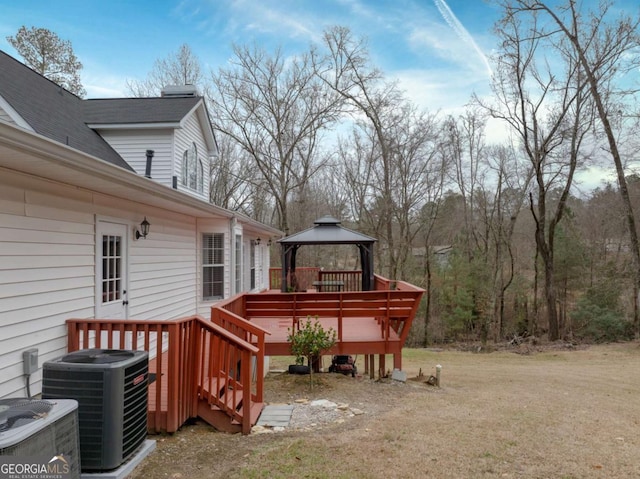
(327, 231)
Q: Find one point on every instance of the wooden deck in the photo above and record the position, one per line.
(187, 355)
(214, 369)
(359, 336)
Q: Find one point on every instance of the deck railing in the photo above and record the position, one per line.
(306, 276)
(223, 373)
(170, 360)
(228, 314)
(182, 353)
(391, 308)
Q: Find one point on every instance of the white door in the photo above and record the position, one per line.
(111, 271)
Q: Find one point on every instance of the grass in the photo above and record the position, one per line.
(552, 414)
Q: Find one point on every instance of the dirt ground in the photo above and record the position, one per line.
(552, 411)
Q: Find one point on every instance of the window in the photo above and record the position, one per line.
(252, 263)
(212, 266)
(111, 268)
(192, 170)
(238, 269)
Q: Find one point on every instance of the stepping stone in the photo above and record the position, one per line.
(277, 415)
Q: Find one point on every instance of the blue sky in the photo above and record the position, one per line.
(435, 48)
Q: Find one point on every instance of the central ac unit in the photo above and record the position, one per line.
(110, 386)
(32, 428)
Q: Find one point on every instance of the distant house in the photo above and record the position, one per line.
(441, 254)
(77, 180)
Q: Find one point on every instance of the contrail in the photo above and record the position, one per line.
(462, 32)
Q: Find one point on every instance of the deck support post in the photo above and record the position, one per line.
(372, 366)
(381, 364)
(397, 361)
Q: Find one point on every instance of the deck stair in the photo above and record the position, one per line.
(221, 400)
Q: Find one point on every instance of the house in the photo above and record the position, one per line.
(79, 182)
(441, 254)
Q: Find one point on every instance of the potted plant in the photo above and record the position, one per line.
(299, 367)
(309, 341)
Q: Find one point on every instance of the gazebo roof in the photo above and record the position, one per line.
(327, 230)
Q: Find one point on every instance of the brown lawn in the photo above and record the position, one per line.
(552, 413)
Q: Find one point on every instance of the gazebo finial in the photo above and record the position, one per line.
(326, 220)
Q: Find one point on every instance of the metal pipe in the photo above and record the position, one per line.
(147, 171)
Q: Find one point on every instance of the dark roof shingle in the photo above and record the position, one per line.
(51, 110)
(138, 110)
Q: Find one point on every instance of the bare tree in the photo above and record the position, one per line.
(512, 179)
(179, 68)
(550, 113)
(605, 50)
(276, 110)
(464, 145)
(416, 174)
(233, 183)
(50, 56)
(492, 183)
(346, 69)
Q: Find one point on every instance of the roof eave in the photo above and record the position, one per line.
(133, 126)
(14, 115)
(202, 113)
(70, 160)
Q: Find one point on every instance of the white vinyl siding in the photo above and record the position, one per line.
(46, 277)
(47, 271)
(185, 138)
(132, 146)
(162, 271)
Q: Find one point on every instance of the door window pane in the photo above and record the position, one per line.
(111, 268)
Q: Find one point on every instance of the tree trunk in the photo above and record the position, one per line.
(550, 296)
(427, 297)
(603, 114)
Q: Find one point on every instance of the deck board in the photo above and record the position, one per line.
(353, 329)
(359, 335)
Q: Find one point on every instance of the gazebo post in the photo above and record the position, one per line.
(285, 268)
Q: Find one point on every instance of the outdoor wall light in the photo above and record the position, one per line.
(269, 242)
(144, 229)
(258, 240)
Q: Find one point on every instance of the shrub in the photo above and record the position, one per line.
(596, 323)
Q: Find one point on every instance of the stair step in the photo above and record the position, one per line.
(276, 415)
(256, 410)
(219, 419)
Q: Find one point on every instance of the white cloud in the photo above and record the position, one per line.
(439, 88)
(273, 18)
(104, 85)
(461, 31)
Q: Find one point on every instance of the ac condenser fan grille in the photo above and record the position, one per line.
(98, 356)
(18, 412)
